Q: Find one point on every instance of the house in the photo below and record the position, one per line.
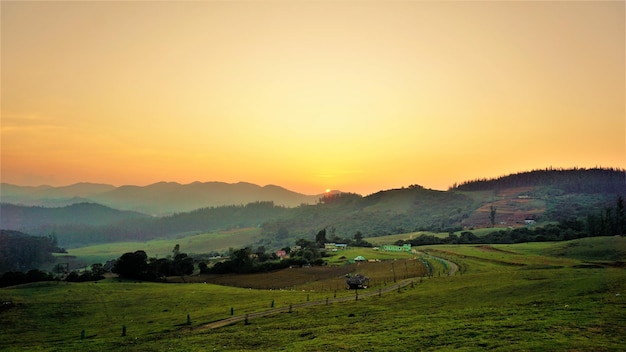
(394, 248)
(335, 246)
(359, 258)
(281, 254)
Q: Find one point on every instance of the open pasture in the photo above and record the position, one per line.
(341, 257)
(542, 302)
(190, 244)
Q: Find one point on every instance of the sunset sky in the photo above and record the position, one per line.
(358, 96)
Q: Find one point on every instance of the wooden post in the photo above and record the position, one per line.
(123, 330)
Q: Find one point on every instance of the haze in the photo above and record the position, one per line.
(357, 96)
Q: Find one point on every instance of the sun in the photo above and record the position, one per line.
(327, 190)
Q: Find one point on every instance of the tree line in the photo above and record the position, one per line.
(22, 252)
(609, 221)
(574, 180)
(137, 265)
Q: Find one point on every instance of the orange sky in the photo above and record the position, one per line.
(357, 96)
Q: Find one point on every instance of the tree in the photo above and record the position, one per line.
(131, 265)
(620, 216)
(97, 269)
(320, 238)
(358, 236)
(467, 237)
(242, 260)
(176, 250)
(492, 215)
(183, 265)
(282, 232)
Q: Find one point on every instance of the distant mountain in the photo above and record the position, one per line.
(171, 197)
(157, 199)
(51, 196)
(27, 218)
(540, 196)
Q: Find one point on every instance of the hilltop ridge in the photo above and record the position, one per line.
(157, 199)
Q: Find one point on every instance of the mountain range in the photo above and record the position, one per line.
(284, 216)
(156, 199)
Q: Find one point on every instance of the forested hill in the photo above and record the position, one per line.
(541, 196)
(25, 218)
(21, 252)
(577, 180)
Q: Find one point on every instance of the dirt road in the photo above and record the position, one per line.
(393, 287)
(237, 318)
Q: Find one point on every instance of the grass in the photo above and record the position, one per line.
(544, 301)
(199, 243)
(390, 239)
(341, 256)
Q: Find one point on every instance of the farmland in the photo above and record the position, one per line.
(190, 243)
(546, 296)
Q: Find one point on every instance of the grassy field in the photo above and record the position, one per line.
(565, 296)
(190, 244)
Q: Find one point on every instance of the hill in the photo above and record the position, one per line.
(172, 197)
(21, 252)
(27, 218)
(158, 199)
(576, 180)
(537, 196)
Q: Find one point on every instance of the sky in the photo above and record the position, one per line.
(358, 96)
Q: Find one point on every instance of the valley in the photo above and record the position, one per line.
(548, 300)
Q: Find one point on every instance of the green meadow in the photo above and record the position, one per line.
(558, 296)
(190, 244)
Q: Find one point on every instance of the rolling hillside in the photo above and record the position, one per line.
(19, 217)
(542, 195)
